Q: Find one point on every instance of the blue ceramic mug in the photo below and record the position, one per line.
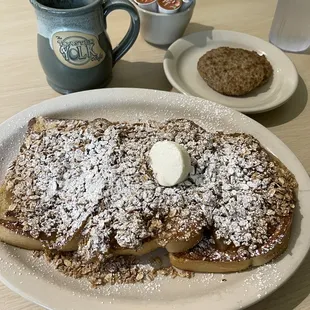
(73, 46)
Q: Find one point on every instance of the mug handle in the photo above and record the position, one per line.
(122, 48)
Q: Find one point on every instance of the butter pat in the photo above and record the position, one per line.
(170, 162)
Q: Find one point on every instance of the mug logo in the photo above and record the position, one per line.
(77, 50)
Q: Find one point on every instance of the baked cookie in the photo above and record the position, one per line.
(234, 71)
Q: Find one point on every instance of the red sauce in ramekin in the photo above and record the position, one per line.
(145, 1)
(169, 4)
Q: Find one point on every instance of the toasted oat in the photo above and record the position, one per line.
(116, 270)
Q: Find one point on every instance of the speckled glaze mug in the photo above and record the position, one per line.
(73, 46)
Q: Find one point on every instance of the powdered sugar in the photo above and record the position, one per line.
(75, 172)
(263, 279)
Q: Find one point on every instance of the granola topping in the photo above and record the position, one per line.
(115, 270)
(98, 174)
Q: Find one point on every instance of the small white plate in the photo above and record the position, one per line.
(40, 283)
(180, 65)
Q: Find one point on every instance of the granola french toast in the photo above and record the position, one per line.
(92, 179)
(251, 218)
(88, 187)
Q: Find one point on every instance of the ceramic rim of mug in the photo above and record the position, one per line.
(86, 8)
(165, 14)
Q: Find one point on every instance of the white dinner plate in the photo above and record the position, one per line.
(40, 283)
(180, 65)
